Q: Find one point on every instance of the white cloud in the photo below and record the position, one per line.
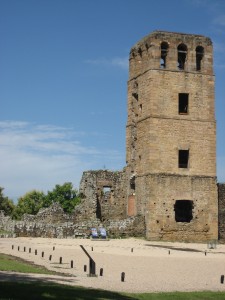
(117, 62)
(40, 156)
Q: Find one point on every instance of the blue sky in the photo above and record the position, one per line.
(63, 82)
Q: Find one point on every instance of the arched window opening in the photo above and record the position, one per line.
(132, 182)
(164, 51)
(181, 56)
(199, 57)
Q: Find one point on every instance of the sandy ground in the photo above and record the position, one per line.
(148, 266)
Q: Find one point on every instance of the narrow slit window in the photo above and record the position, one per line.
(164, 51)
(183, 103)
(181, 56)
(183, 211)
(132, 182)
(183, 159)
(199, 57)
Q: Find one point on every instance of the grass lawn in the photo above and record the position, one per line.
(16, 287)
(12, 263)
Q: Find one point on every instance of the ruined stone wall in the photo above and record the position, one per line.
(6, 225)
(221, 200)
(106, 191)
(37, 226)
(53, 214)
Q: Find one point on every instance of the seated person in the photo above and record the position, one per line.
(102, 233)
(94, 233)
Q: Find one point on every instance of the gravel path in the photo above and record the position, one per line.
(148, 266)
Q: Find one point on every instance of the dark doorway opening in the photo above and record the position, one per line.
(98, 209)
(183, 211)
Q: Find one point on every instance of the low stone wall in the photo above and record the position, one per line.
(61, 225)
(121, 228)
(221, 215)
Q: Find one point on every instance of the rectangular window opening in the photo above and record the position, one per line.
(183, 158)
(183, 103)
(183, 211)
(106, 193)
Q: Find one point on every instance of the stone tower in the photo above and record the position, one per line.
(171, 137)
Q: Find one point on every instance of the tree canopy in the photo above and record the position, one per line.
(32, 201)
(5, 203)
(65, 195)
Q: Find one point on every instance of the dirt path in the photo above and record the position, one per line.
(148, 266)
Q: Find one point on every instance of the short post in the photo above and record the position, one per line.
(35, 252)
(122, 276)
(85, 268)
(169, 252)
(132, 249)
(24, 249)
(60, 260)
(29, 250)
(12, 247)
(18, 248)
(50, 257)
(92, 249)
(53, 248)
(42, 254)
(101, 272)
(91, 262)
(205, 253)
(92, 267)
(71, 264)
(222, 279)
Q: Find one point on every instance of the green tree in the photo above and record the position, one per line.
(65, 195)
(6, 204)
(30, 203)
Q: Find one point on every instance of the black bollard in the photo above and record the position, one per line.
(24, 249)
(132, 250)
(101, 272)
(29, 250)
(18, 248)
(35, 252)
(85, 268)
(122, 276)
(60, 260)
(71, 264)
(92, 249)
(50, 257)
(42, 254)
(53, 248)
(222, 279)
(12, 246)
(169, 252)
(205, 253)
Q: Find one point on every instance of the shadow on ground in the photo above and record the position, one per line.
(174, 248)
(21, 286)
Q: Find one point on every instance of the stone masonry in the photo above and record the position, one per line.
(171, 136)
